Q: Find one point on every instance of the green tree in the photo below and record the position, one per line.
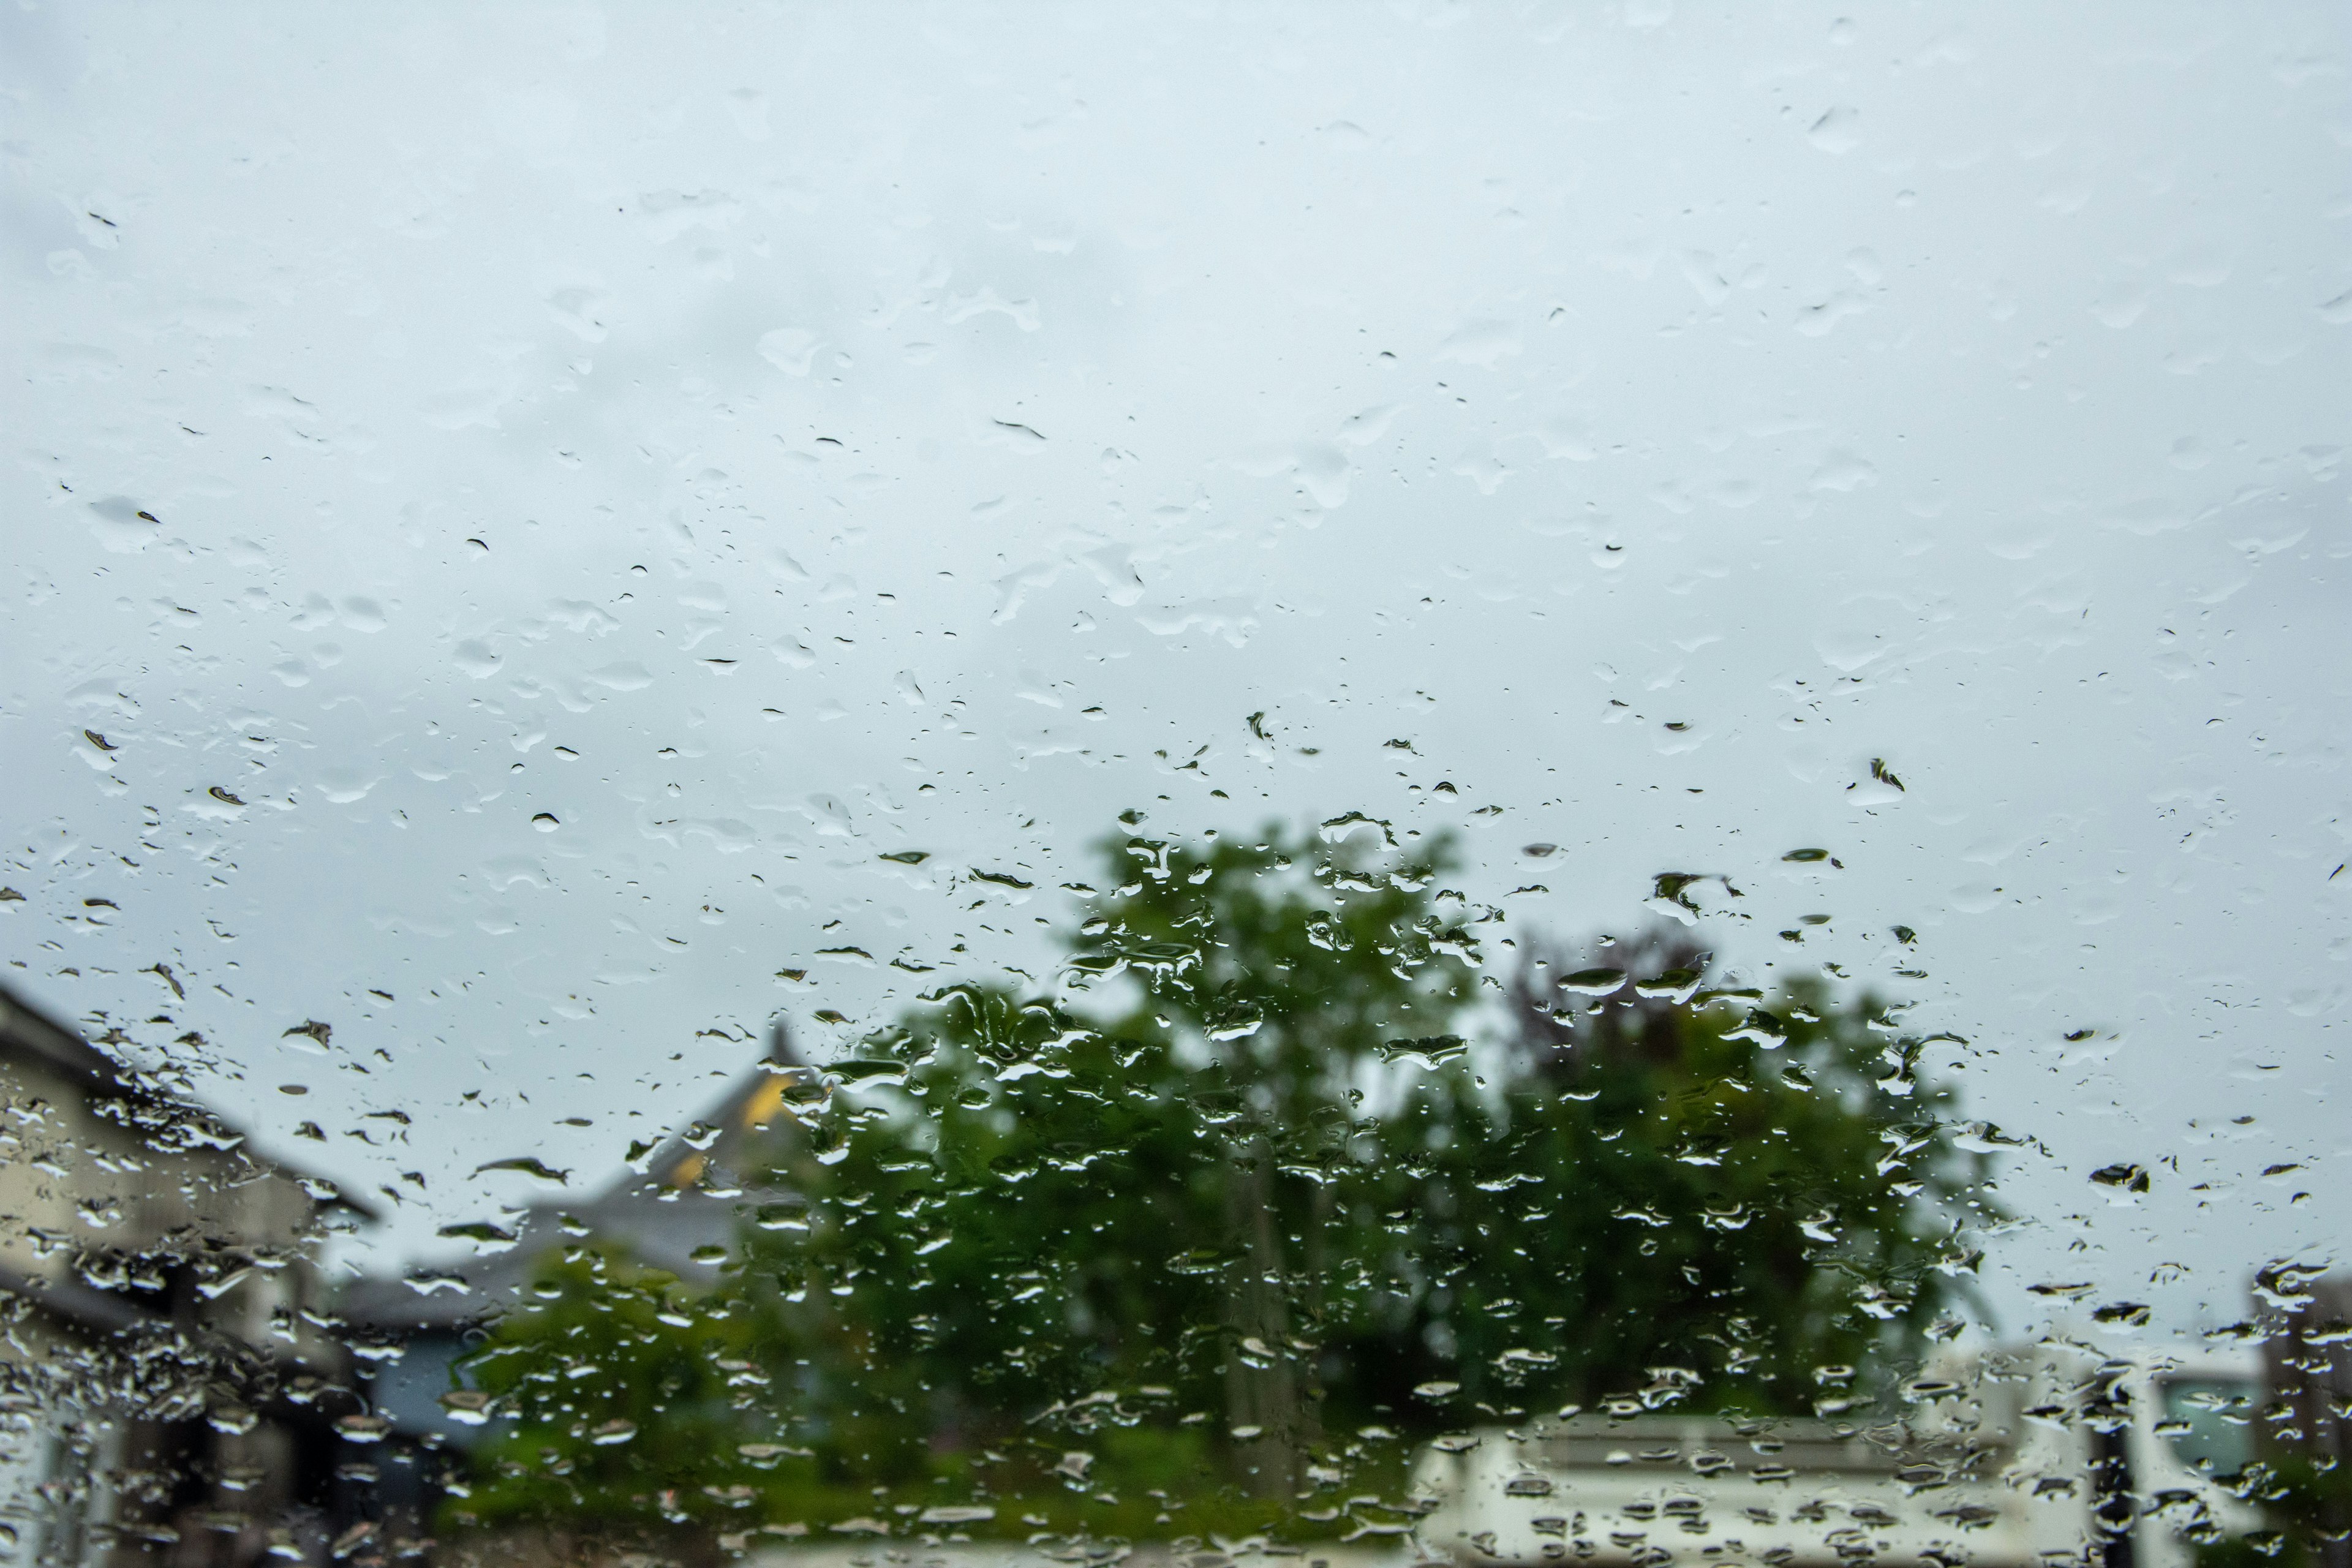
(1246, 1188)
(1664, 1193)
(1276, 978)
(620, 1401)
(1033, 1208)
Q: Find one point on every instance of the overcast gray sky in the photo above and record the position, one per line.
(610, 475)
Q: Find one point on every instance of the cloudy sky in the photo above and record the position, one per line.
(512, 515)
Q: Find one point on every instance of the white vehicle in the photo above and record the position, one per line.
(2030, 1458)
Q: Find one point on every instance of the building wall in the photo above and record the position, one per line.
(169, 1384)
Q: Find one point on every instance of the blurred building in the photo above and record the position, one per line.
(2308, 1421)
(171, 1389)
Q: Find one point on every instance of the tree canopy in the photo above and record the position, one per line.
(1275, 1181)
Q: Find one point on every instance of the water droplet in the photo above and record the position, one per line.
(1594, 981)
(467, 1406)
(528, 1165)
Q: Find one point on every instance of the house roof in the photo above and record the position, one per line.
(686, 1194)
(27, 1032)
(29, 1035)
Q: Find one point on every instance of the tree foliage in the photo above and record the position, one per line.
(619, 1398)
(1261, 1193)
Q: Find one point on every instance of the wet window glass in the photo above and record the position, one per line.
(2209, 1421)
(946, 787)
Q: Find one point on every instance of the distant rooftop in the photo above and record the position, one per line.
(684, 1195)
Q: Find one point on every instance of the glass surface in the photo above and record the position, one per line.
(2210, 1423)
(1429, 782)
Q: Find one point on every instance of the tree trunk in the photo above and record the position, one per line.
(1263, 1407)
